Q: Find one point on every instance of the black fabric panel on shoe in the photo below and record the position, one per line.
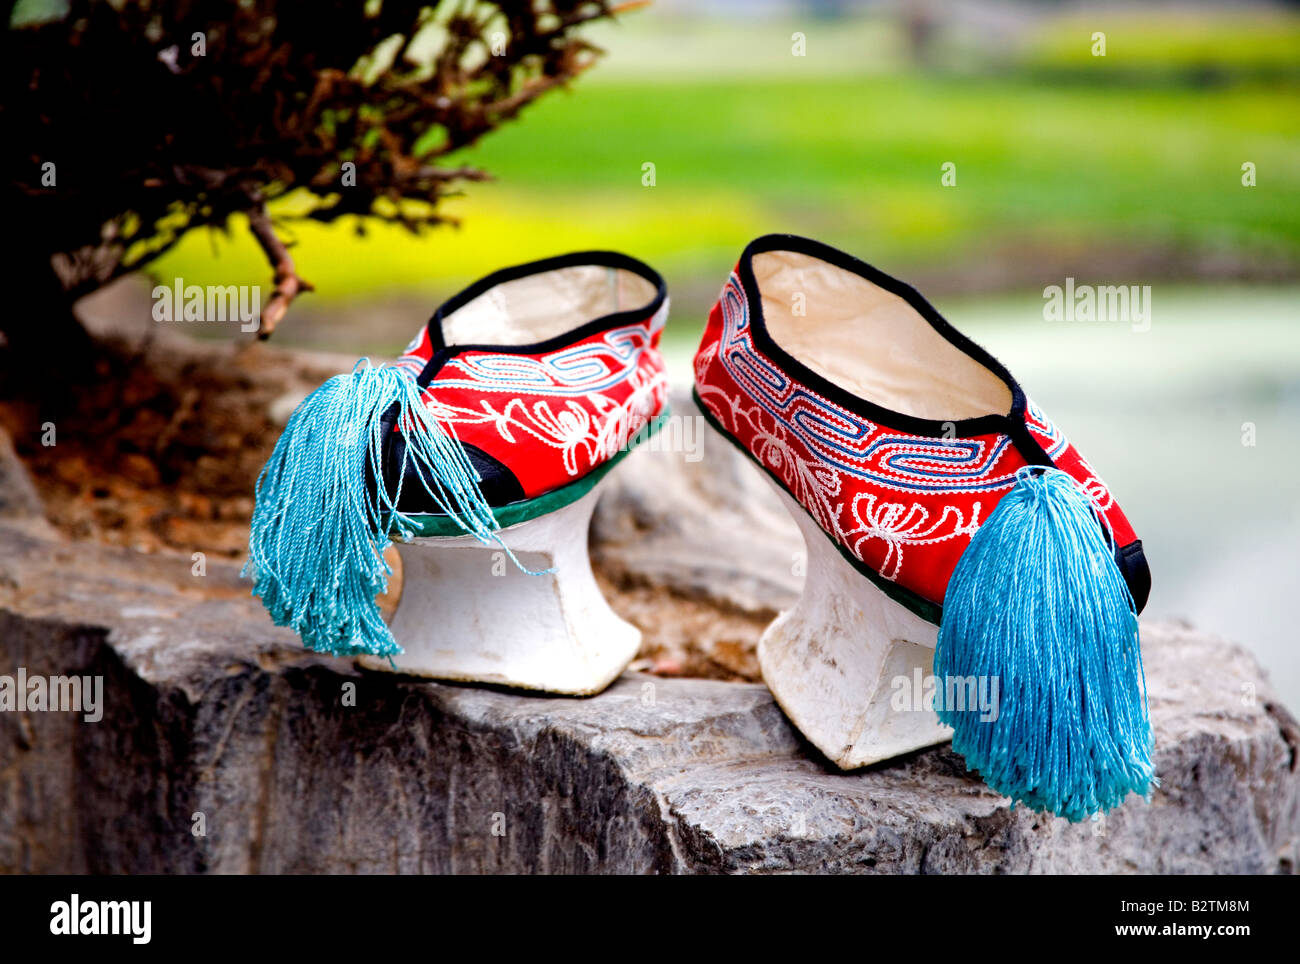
(499, 485)
(1133, 566)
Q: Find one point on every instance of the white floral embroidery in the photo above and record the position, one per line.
(898, 525)
(817, 487)
(585, 439)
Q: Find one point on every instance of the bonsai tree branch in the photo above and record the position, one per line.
(361, 104)
(288, 285)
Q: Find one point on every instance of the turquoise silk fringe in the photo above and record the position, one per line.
(1037, 603)
(319, 530)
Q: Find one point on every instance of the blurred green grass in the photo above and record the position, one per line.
(848, 151)
(866, 154)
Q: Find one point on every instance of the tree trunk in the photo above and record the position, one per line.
(44, 350)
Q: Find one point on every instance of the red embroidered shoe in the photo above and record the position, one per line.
(932, 492)
(538, 403)
(483, 443)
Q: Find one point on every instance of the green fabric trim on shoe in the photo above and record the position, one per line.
(437, 526)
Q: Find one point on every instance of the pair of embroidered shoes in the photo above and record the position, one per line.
(957, 542)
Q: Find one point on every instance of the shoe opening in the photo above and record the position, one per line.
(871, 342)
(543, 305)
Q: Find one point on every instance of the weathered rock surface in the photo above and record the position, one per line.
(216, 720)
(18, 497)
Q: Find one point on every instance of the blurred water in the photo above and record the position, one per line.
(1161, 415)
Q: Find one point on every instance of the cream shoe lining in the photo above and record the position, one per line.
(871, 342)
(538, 307)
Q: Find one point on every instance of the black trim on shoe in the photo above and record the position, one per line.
(428, 525)
(605, 259)
(1132, 562)
(1030, 449)
(935, 428)
(499, 485)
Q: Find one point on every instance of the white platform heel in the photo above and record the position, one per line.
(843, 662)
(468, 613)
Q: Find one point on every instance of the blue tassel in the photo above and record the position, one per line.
(1037, 603)
(319, 531)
